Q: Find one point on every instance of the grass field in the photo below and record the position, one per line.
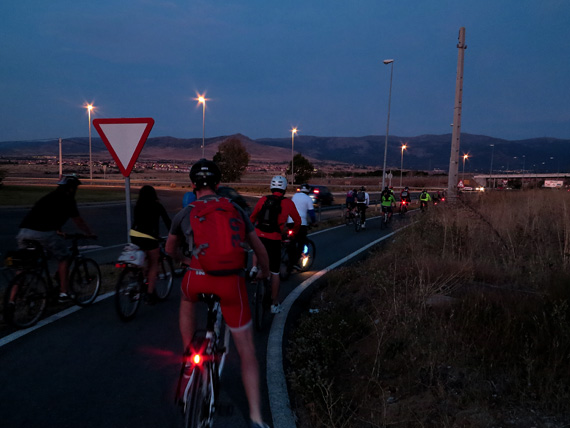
(461, 320)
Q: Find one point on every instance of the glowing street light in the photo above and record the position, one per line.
(387, 61)
(90, 107)
(293, 132)
(404, 147)
(465, 156)
(202, 100)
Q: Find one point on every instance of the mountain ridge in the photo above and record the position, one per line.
(426, 152)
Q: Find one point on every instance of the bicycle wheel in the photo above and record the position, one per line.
(197, 409)
(284, 271)
(28, 292)
(383, 220)
(128, 293)
(357, 224)
(85, 281)
(164, 278)
(307, 256)
(258, 307)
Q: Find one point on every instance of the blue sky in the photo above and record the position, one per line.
(267, 66)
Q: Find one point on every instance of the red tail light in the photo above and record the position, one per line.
(316, 191)
(120, 265)
(290, 233)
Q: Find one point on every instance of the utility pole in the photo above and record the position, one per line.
(455, 136)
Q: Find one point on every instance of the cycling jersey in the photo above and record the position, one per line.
(305, 208)
(387, 201)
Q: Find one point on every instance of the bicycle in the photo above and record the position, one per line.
(384, 219)
(132, 287)
(202, 366)
(32, 286)
(350, 217)
(404, 207)
(308, 254)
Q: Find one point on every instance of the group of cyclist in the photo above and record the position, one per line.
(358, 200)
(50, 213)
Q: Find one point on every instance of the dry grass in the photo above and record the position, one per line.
(493, 351)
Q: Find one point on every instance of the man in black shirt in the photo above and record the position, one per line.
(47, 217)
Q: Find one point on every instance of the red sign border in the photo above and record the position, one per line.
(126, 171)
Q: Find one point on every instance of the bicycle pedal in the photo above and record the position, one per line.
(224, 409)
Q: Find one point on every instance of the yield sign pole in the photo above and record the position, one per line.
(125, 139)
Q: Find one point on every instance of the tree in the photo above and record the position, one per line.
(232, 158)
(303, 168)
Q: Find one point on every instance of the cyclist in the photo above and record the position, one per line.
(145, 233)
(44, 221)
(387, 200)
(306, 210)
(362, 202)
(405, 196)
(350, 201)
(424, 199)
(269, 216)
(205, 176)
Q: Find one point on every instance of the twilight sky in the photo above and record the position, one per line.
(267, 66)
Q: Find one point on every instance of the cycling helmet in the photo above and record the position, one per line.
(278, 183)
(69, 180)
(305, 188)
(406, 188)
(205, 173)
(362, 188)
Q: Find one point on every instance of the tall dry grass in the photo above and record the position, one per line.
(463, 320)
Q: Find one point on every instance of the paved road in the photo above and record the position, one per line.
(91, 370)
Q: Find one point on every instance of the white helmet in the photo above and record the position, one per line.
(279, 183)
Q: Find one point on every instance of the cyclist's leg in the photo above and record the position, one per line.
(273, 248)
(235, 309)
(186, 314)
(152, 260)
(243, 339)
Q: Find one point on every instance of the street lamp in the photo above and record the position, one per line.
(293, 132)
(202, 100)
(90, 107)
(404, 147)
(491, 170)
(465, 156)
(387, 61)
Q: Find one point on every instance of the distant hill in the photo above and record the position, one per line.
(426, 152)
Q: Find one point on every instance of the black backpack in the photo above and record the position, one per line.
(267, 218)
(360, 196)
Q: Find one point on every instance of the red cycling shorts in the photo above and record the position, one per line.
(232, 292)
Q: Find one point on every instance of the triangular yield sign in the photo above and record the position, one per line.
(124, 138)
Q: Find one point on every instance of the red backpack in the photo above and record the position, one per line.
(219, 236)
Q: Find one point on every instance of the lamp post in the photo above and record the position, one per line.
(90, 107)
(293, 132)
(202, 100)
(404, 147)
(387, 61)
(465, 156)
(491, 169)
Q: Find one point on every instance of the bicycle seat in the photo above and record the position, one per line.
(32, 244)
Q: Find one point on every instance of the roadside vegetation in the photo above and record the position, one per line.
(460, 320)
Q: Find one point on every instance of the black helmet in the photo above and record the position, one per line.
(205, 173)
(362, 188)
(406, 188)
(304, 188)
(70, 180)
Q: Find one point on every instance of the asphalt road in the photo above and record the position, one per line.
(89, 369)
